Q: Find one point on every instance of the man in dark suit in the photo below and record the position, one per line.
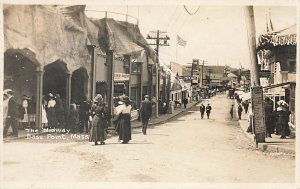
(145, 112)
(202, 110)
(12, 113)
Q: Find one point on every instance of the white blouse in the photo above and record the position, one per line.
(123, 109)
(51, 103)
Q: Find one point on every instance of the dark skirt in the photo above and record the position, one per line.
(124, 127)
(51, 116)
(97, 132)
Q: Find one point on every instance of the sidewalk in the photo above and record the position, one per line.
(22, 134)
(274, 144)
(164, 117)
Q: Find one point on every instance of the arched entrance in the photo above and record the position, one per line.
(79, 85)
(19, 72)
(55, 79)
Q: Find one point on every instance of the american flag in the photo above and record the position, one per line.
(180, 41)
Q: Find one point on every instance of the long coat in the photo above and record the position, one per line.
(146, 110)
(99, 126)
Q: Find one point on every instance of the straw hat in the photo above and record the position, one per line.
(8, 92)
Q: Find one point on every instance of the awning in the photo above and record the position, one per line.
(276, 85)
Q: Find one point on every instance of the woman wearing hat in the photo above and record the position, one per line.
(282, 124)
(23, 112)
(99, 124)
(124, 124)
(51, 114)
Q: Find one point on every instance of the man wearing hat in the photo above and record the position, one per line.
(145, 112)
(12, 113)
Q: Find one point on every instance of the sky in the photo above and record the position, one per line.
(216, 34)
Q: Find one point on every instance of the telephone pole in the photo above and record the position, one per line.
(256, 89)
(159, 36)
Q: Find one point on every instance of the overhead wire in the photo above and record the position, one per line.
(190, 12)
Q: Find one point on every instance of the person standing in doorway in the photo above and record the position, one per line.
(60, 111)
(51, 115)
(84, 114)
(12, 113)
(202, 110)
(231, 111)
(208, 110)
(146, 112)
(240, 110)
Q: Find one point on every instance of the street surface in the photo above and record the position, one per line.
(185, 149)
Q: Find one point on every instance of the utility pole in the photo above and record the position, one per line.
(159, 36)
(202, 71)
(256, 89)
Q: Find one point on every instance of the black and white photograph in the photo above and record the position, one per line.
(132, 94)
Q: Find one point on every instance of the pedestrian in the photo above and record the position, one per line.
(269, 117)
(165, 107)
(84, 113)
(60, 111)
(171, 107)
(246, 106)
(73, 118)
(23, 112)
(283, 119)
(32, 111)
(145, 112)
(250, 128)
(185, 101)
(202, 110)
(240, 110)
(124, 124)
(231, 111)
(208, 110)
(51, 115)
(98, 132)
(12, 113)
(44, 114)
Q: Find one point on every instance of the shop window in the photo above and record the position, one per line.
(135, 68)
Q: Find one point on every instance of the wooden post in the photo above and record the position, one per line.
(68, 90)
(39, 98)
(110, 95)
(257, 101)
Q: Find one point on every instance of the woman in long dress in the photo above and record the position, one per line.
(99, 124)
(124, 124)
(51, 114)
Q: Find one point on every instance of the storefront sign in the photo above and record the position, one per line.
(258, 113)
(121, 77)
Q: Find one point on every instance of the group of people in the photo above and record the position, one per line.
(208, 109)
(276, 121)
(122, 119)
(16, 114)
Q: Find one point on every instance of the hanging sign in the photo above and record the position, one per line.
(258, 113)
(121, 77)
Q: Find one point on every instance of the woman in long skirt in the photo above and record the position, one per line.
(51, 114)
(99, 125)
(124, 124)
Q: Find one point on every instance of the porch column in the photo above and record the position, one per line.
(68, 90)
(128, 62)
(91, 49)
(110, 80)
(39, 97)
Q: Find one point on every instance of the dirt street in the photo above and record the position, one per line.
(185, 149)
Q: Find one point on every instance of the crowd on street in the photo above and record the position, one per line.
(276, 118)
